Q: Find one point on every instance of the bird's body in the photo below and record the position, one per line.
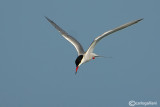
(83, 56)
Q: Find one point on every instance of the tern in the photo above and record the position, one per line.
(83, 56)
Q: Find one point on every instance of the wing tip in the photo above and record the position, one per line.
(47, 18)
(140, 19)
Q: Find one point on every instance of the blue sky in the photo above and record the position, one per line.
(37, 64)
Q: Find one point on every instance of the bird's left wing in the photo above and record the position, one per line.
(72, 40)
(97, 39)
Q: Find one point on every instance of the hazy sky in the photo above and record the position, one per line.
(37, 64)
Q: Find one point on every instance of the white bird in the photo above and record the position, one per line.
(83, 56)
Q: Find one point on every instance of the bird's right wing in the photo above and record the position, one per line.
(97, 39)
(72, 40)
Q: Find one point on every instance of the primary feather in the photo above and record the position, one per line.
(72, 40)
(97, 39)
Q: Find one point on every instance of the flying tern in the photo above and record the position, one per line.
(83, 56)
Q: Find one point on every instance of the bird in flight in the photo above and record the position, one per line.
(83, 56)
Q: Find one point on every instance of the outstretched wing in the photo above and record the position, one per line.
(72, 40)
(97, 39)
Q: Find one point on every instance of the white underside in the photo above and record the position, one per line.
(87, 57)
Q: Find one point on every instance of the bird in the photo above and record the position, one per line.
(85, 56)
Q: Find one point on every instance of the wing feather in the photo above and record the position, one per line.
(72, 40)
(97, 39)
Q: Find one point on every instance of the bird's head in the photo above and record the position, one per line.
(78, 61)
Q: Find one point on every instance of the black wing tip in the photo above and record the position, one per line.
(140, 19)
(47, 18)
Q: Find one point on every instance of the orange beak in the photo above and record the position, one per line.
(77, 68)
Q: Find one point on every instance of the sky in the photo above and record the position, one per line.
(37, 65)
